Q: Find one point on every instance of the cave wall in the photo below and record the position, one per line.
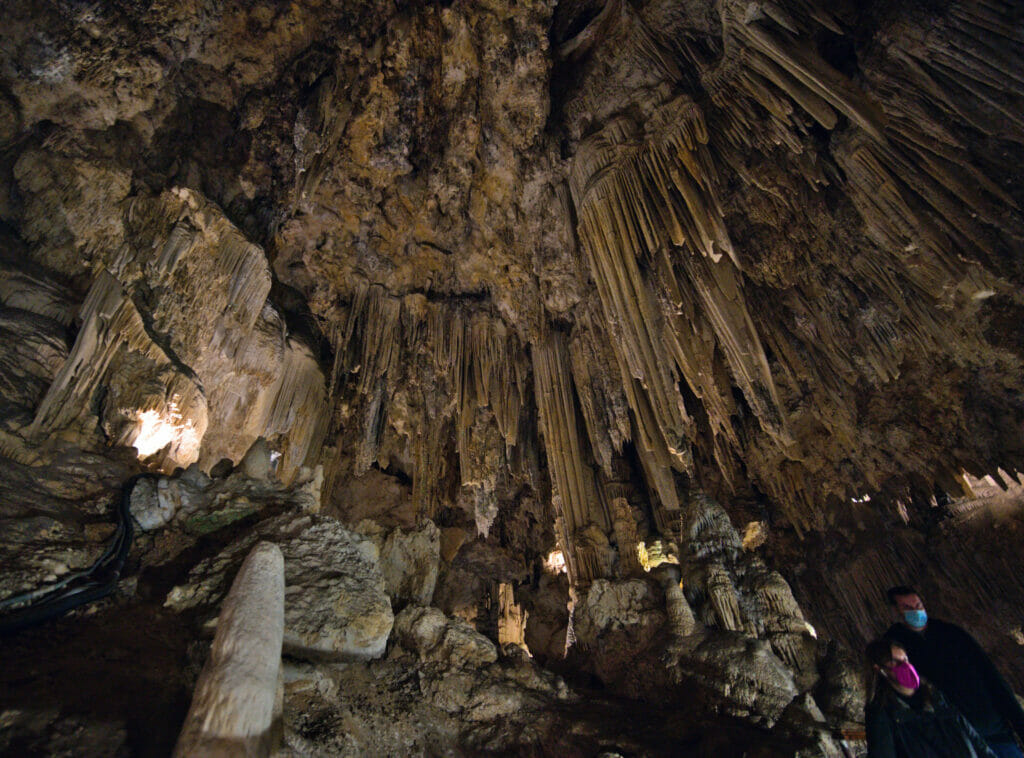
(535, 273)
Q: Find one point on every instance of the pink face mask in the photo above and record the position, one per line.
(905, 675)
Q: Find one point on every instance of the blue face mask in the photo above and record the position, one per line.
(917, 619)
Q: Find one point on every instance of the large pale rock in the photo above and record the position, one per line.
(409, 561)
(608, 607)
(437, 637)
(336, 606)
(336, 603)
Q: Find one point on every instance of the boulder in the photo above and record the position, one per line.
(336, 607)
(409, 560)
(256, 463)
(438, 638)
(335, 601)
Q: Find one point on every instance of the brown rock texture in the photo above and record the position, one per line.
(530, 298)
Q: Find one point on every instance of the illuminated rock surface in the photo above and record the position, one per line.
(650, 339)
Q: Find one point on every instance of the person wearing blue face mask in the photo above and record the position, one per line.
(955, 663)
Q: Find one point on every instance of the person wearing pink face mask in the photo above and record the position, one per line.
(953, 661)
(906, 717)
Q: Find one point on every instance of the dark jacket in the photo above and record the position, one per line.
(954, 662)
(932, 729)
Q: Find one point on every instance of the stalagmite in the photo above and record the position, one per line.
(723, 597)
(236, 699)
(680, 615)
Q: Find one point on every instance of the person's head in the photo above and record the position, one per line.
(888, 660)
(908, 606)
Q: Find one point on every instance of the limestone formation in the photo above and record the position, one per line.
(335, 604)
(234, 704)
(503, 318)
(409, 562)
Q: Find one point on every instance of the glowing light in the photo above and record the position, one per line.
(653, 555)
(755, 535)
(810, 630)
(861, 499)
(156, 430)
(555, 562)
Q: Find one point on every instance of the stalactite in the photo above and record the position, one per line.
(602, 402)
(200, 244)
(572, 478)
(927, 254)
(974, 46)
(707, 530)
(784, 57)
(511, 619)
(298, 411)
(626, 538)
(638, 197)
(32, 289)
(109, 322)
(371, 339)
(318, 129)
(473, 372)
(782, 621)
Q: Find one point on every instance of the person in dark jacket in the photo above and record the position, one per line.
(955, 663)
(908, 718)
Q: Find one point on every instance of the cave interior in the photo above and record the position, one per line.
(591, 367)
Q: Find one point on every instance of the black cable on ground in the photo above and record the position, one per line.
(78, 588)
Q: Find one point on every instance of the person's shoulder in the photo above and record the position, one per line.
(900, 633)
(876, 709)
(947, 628)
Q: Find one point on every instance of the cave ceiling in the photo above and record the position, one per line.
(578, 252)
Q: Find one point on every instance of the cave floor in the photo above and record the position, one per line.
(116, 679)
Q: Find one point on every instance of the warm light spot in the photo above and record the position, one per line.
(810, 630)
(653, 555)
(156, 430)
(755, 535)
(861, 499)
(555, 562)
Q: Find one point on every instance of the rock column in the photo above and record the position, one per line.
(680, 615)
(233, 707)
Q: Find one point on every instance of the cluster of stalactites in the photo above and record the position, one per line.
(201, 371)
(939, 223)
(652, 231)
(651, 228)
(575, 495)
(463, 361)
(110, 324)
